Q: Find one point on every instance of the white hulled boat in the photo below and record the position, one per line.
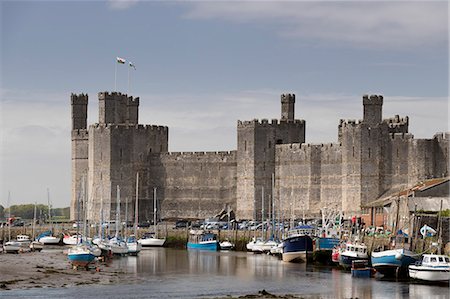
(151, 239)
(431, 268)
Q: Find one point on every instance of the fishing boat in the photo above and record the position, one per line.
(298, 245)
(435, 268)
(360, 268)
(393, 262)
(352, 252)
(151, 239)
(201, 240)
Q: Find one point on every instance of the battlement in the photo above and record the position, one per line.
(265, 122)
(349, 123)
(80, 134)
(396, 121)
(79, 99)
(287, 98)
(440, 136)
(402, 136)
(307, 146)
(372, 99)
(146, 128)
(219, 156)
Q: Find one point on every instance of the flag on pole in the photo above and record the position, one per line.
(121, 60)
(132, 64)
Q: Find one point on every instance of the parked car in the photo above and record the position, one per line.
(182, 224)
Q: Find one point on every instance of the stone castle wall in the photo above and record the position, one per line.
(272, 164)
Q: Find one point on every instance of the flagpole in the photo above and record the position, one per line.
(115, 77)
(128, 89)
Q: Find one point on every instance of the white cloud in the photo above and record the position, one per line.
(121, 4)
(364, 24)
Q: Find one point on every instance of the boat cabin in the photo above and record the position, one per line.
(362, 249)
(435, 260)
(302, 230)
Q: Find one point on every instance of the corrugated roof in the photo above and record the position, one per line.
(421, 186)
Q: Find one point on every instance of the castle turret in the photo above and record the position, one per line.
(373, 107)
(79, 111)
(80, 139)
(287, 106)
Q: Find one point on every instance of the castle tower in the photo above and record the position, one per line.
(373, 107)
(287, 106)
(80, 146)
(256, 157)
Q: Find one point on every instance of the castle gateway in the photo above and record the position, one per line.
(373, 157)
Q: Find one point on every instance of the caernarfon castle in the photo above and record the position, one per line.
(272, 164)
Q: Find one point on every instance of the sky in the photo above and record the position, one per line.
(203, 65)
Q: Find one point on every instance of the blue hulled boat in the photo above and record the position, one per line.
(326, 243)
(353, 252)
(393, 262)
(298, 245)
(80, 255)
(203, 241)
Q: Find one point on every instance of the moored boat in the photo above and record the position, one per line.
(133, 246)
(151, 240)
(393, 262)
(226, 245)
(360, 268)
(12, 247)
(201, 240)
(352, 252)
(80, 255)
(46, 238)
(432, 267)
(298, 245)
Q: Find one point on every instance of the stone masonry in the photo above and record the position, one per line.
(272, 163)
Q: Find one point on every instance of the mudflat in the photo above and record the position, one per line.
(51, 269)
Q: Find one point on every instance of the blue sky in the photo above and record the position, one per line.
(203, 65)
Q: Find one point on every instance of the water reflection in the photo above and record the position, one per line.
(170, 273)
(224, 273)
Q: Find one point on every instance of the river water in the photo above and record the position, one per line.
(172, 273)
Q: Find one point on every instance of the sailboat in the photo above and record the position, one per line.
(12, 246)
(47, 238)
(134, 247)
(81, 254)
(117, 245)
(35, 245)
(227, 244)
(151, 239)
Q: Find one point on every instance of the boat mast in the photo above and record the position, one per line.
(34, 221)
(117, 212)
(262, 214)
(9, 217)
(126, 218)
(273, 205)
(154, 211)
(49, 211)
(101, 216)
(136, 215)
